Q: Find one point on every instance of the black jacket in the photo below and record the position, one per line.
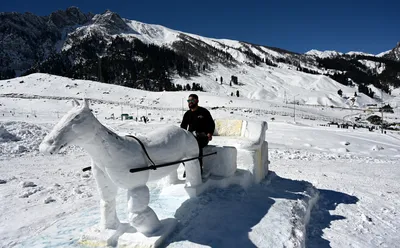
(199, 121)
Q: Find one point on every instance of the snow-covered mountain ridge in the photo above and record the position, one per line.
(108, 48)
(330, 54)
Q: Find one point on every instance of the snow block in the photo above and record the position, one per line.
(223, 164)
(241, 159)
(248, 137)
(240, 177)
(127, 236)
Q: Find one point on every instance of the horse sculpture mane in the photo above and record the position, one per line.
(113, 155)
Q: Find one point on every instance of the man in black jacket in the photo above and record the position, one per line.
(200, 123)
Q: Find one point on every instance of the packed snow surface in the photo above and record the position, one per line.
(328, 186)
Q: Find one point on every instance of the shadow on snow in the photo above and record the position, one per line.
(321, 218)
(224, 217)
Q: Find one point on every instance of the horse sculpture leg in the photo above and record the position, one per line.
(193, 173)
(173, 177)
(108, 192)
(141, 216)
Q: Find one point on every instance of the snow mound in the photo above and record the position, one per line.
(49, 199)
(262, 94)
(29, 192)
(345, 143)
(27, 184)
(206, 215)
(377, 148)
(20, 137)
(5, 136)
(366, 218)
(339, 150)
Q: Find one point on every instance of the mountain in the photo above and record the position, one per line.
(323, 54)
(393, 54)
(27, 39)
(108, 48)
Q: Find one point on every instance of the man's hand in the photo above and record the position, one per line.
(209, 135)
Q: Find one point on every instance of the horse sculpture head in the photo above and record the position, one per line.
(75, 127)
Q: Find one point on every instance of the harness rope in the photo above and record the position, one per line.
(144, 149)
(154, 166)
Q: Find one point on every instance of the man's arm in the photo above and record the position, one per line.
(210, 125)
(184, 123)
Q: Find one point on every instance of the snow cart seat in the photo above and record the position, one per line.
(244, 139)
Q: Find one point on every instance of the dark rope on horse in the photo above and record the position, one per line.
(153, 166)
(143, 147)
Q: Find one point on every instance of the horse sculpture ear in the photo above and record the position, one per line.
(86, 102)
(75, 103)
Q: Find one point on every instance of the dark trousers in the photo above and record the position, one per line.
(202, 140)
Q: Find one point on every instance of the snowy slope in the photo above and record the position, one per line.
(360, 53)
(222, 57)
(50, 201)
(154, 33)
(323, 54)
(162, 36)
(383, 53)
(374, 66)
(280, 88)
(258, 83)
(330, 54)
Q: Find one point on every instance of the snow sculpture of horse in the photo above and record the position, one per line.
(113, 155)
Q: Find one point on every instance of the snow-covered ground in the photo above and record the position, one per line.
(349, 176)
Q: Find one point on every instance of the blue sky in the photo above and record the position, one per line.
(351, 25)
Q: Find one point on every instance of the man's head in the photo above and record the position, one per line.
(193, 101)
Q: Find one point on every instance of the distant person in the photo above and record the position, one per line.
(198, 121)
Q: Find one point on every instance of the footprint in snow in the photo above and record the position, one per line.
(76, 191)
(366, 218)
(30, 192)
(345, 143)
(27, 184)
(49, 199)
(377, 148)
